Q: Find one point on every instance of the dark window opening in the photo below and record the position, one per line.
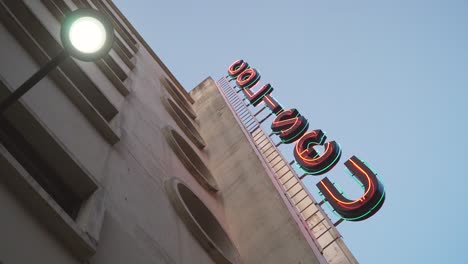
(38, 168)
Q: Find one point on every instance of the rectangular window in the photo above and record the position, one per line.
(32, 162)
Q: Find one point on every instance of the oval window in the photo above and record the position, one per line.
(201, 222)
(178, 98)
(190, 159)
(183, 122)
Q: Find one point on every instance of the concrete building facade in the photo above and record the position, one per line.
(114, 162)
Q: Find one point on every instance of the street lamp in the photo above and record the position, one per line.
(86, 35)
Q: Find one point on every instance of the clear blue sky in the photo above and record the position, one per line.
(386, 79)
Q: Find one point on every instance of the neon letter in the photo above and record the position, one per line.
(309, 160)
(364, 207)
(248, 78)
(255, 98)
(289, 125)
(271, 103)
(237, 68)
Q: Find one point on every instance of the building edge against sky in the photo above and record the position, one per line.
(114, 162)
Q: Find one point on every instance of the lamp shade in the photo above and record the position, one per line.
(87, 34)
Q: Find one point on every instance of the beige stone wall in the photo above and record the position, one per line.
(129, 216)
(257, 217)
(109, 146)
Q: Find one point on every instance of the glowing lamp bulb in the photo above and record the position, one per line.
(87, 34)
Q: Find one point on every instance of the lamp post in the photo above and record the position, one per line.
(85, 34)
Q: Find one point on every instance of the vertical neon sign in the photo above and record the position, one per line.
(291, 127)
